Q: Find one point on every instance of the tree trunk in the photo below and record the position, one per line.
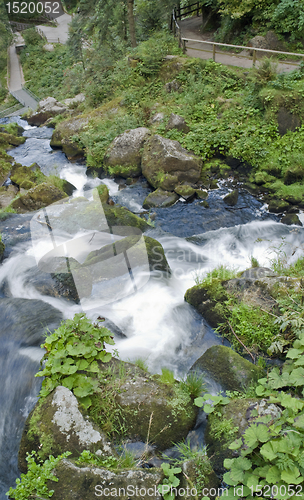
(131, 22)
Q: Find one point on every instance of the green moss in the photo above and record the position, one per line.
(124, 171)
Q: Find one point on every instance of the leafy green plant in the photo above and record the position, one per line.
(170, 481)
(209, 403)
(72, 355)
(33, 484)
(193, 383)
(167, 376)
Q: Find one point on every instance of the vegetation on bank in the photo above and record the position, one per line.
(5, 41)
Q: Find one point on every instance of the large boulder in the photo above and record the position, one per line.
(85, 483)
(38, 197)
(56, 425)
(123, 157)
(231, 198)
(62, 137)
(227, 368)
(166, 164)
(177, 122)
(160, 198)
(10, 140)
(48, 108)
(172, 410)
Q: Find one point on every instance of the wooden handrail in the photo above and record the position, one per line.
(242, 47)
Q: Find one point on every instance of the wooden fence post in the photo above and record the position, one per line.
(184, 47)
(254, 58)
(213, 52)
(197, 11)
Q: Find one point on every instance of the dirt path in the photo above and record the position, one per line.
(190, 28)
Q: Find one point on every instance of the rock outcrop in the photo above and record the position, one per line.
(48, 108)
(123, 157)
(166, 164)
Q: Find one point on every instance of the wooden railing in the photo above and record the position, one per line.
(188, 9)
(254, 50)
(9, 111)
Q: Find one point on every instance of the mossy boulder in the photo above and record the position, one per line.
(103, 193)
(177, 122)
(160, 198)
(291, 219)
(142, 247)
(185, 191)
(56, 425)
(38, 197)
(208, 305)
(48, 108)
(86, 482)
(287, 121)
(166, 164)
(10, 140)
(227, 368)
(2, 248)
(119, 216)
(231, 198)
(5, 168)
(172, 408)
(277, 206)
(62, 137)
(202, 194)
(123, 157)
(198, 474)
(26, 177)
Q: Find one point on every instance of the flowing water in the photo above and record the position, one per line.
(158, 325)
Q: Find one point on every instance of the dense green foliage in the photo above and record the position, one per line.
(33, 484)
(72, 355)
(5, 40)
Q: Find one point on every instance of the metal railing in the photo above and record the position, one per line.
(254, 50)
(30, 93)
(9, 111)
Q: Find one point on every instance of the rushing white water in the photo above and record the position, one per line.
(159, 326)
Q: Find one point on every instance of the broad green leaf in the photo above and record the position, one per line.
(199, 402)
(86, 401)
(268, 452)
(85, 389)
(236, 444)
(93, 367)
(260, 390)
(228, 463)
(297, 377)
(208, 409)
(255, 434)
(290, 476)
(252, 481)
(273, 475)
(294, 353)
(174, 481)
(228, 480)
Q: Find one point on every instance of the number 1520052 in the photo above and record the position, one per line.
(33, 7)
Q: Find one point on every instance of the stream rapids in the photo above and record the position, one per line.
(158, 325)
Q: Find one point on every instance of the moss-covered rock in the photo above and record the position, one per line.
(160, 198)
(185, 191)
(119, 216)
(172, 410)
(166, 164)
(48, 108)
(62, 137)
(38, 197)
(202, 194)
(84, 483)
(56, 425)
(290, 219)
(227, 368)
(231, 198)
(177, 122)
(142, 247)
(277, 206)
(123, 157)
(208, 305)
(198, 474)
(10, 139)
(103, 193)
(7, 194)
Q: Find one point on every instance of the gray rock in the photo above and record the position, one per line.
(48, 108)
(185, 191)
(166, 164)
(291, 219)
(74, 100)
(59, 422)
(160, 198)
(173, 86)
(287, 121)
(227, 368)
(124, 153)
(231, 198)
(7, 194)
(177, 122)
(157, 118)
(85, 483)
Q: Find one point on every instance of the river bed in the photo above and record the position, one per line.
(159, 326)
